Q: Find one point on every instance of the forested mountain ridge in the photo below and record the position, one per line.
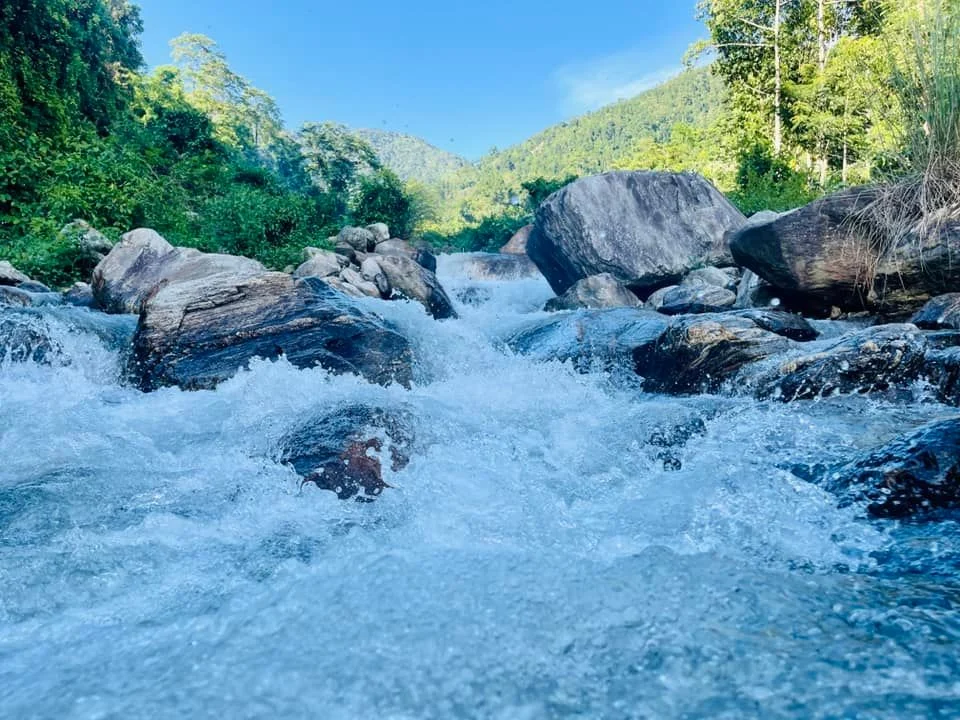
(592, 143)
(411, 157)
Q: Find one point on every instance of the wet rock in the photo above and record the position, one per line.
(726, 278)
(143, 261)
(32, 286)
(380, 232)
(754, 292)
(354, 278)
(23, 339)
(372, 272)
(598, 291)
(820, 257)
(696, 298)
(699, 353)
(591, 339)
(9, 275)
(345, 451)
(941, 312)
(909, 477)
(647, 229)
(869, 361)
(346, 251)
(14, 297)
(785, 324)
(360, 239)
(655, 300)
(473, 295)
(321, 263)
(415, 282)
(343, 287)
(670, 439)
(400, 248)
(517, 245)
(196, 333)
(494, 266)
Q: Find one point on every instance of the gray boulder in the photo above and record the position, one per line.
(517, 245)
(198, 332)
(655, 301)
(359, 239)
(321, 263)
(727, 278)
(401, 248)
(647, 229)
(495, 266)
(9, 275)
(143, 261)
(79, 294)
(380, 231)
(754, 292)
(354, 278)
(414, 282)
(598, 291)
(696, 298)
(820, 257)
(372, 272)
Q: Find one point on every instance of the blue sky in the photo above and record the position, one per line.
(466, 76)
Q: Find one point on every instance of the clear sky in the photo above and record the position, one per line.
(466, 76)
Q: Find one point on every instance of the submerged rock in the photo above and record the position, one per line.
(647, 229)
(196, 333)
(911, 476)
(344, 451)
(597, 291)
(24, 339)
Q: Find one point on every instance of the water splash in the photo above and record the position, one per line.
(540, 557)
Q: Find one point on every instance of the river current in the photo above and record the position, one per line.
(537, 558)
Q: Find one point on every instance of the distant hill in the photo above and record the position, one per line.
(589, 144)
(412, 158)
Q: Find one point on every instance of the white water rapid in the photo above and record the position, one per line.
(536, 559)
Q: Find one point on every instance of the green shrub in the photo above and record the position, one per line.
(768, 183)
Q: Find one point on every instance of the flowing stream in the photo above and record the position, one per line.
(538, 558)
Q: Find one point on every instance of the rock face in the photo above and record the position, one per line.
(344, 451)
(9, 275)
(699, 353)
(413, 281)
(870, 361)
(818, 257)
(598, 291)
(647, 229)
(913, 475)
(495, 266)
(194, 333)
(143, 261)
(517, 245)
(696, 298)
(940, 313)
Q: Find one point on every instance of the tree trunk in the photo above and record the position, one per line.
(777, 82)
(822, 161)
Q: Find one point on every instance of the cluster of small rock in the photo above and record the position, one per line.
(366, 262)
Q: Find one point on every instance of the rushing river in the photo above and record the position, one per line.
(536, 559)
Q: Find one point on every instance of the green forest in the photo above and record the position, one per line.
(786, 100)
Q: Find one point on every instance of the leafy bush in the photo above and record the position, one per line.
(381, 197)
(768, 183)
(489, 235)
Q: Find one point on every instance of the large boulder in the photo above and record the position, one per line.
(701, 353)
(517, 245)
(414, 282)
(321, 263)
(913, 475)
(143, 261)
(597, 291)
(821, 256)
(401, 248)
(647, 229)
(360, 239)
(196, 333)
(9, 275)
(345, 450)
(381, 232)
